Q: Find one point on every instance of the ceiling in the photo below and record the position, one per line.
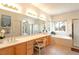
(57, 8)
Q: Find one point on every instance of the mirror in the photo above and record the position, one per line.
(31, 26)
(5, 21)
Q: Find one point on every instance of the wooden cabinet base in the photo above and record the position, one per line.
(30, 47)
(29, 51)
(20, 49)
(7, 51)
(25, 48)
(49, 40)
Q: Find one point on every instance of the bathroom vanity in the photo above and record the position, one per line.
(23, 45)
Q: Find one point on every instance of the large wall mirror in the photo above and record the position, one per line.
(30, 26)
(5, 23)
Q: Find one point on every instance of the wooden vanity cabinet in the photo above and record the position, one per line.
(30, 47)
(44, 41)
(20, 49)
(24, 48)
(49, 40)
(7, 51)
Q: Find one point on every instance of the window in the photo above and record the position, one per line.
(60, 25)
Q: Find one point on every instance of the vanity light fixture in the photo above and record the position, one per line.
(31, 13)
(42, 17)
(9, 6)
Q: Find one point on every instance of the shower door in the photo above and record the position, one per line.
(75, 33)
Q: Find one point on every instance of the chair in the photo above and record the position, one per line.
(39, 45)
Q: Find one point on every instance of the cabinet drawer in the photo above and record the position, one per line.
(30, 51)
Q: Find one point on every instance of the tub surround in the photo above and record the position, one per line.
(62, 37)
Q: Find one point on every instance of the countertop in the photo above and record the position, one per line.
(20, 39)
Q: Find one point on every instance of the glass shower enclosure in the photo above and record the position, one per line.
(75, 32)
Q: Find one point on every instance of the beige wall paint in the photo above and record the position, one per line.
(68, 17)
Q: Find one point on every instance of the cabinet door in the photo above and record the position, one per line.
(20, 49)
(7, 51)
(30, 51)
(30, 47)
(75, 32)
(49, 40)
(44, 41)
